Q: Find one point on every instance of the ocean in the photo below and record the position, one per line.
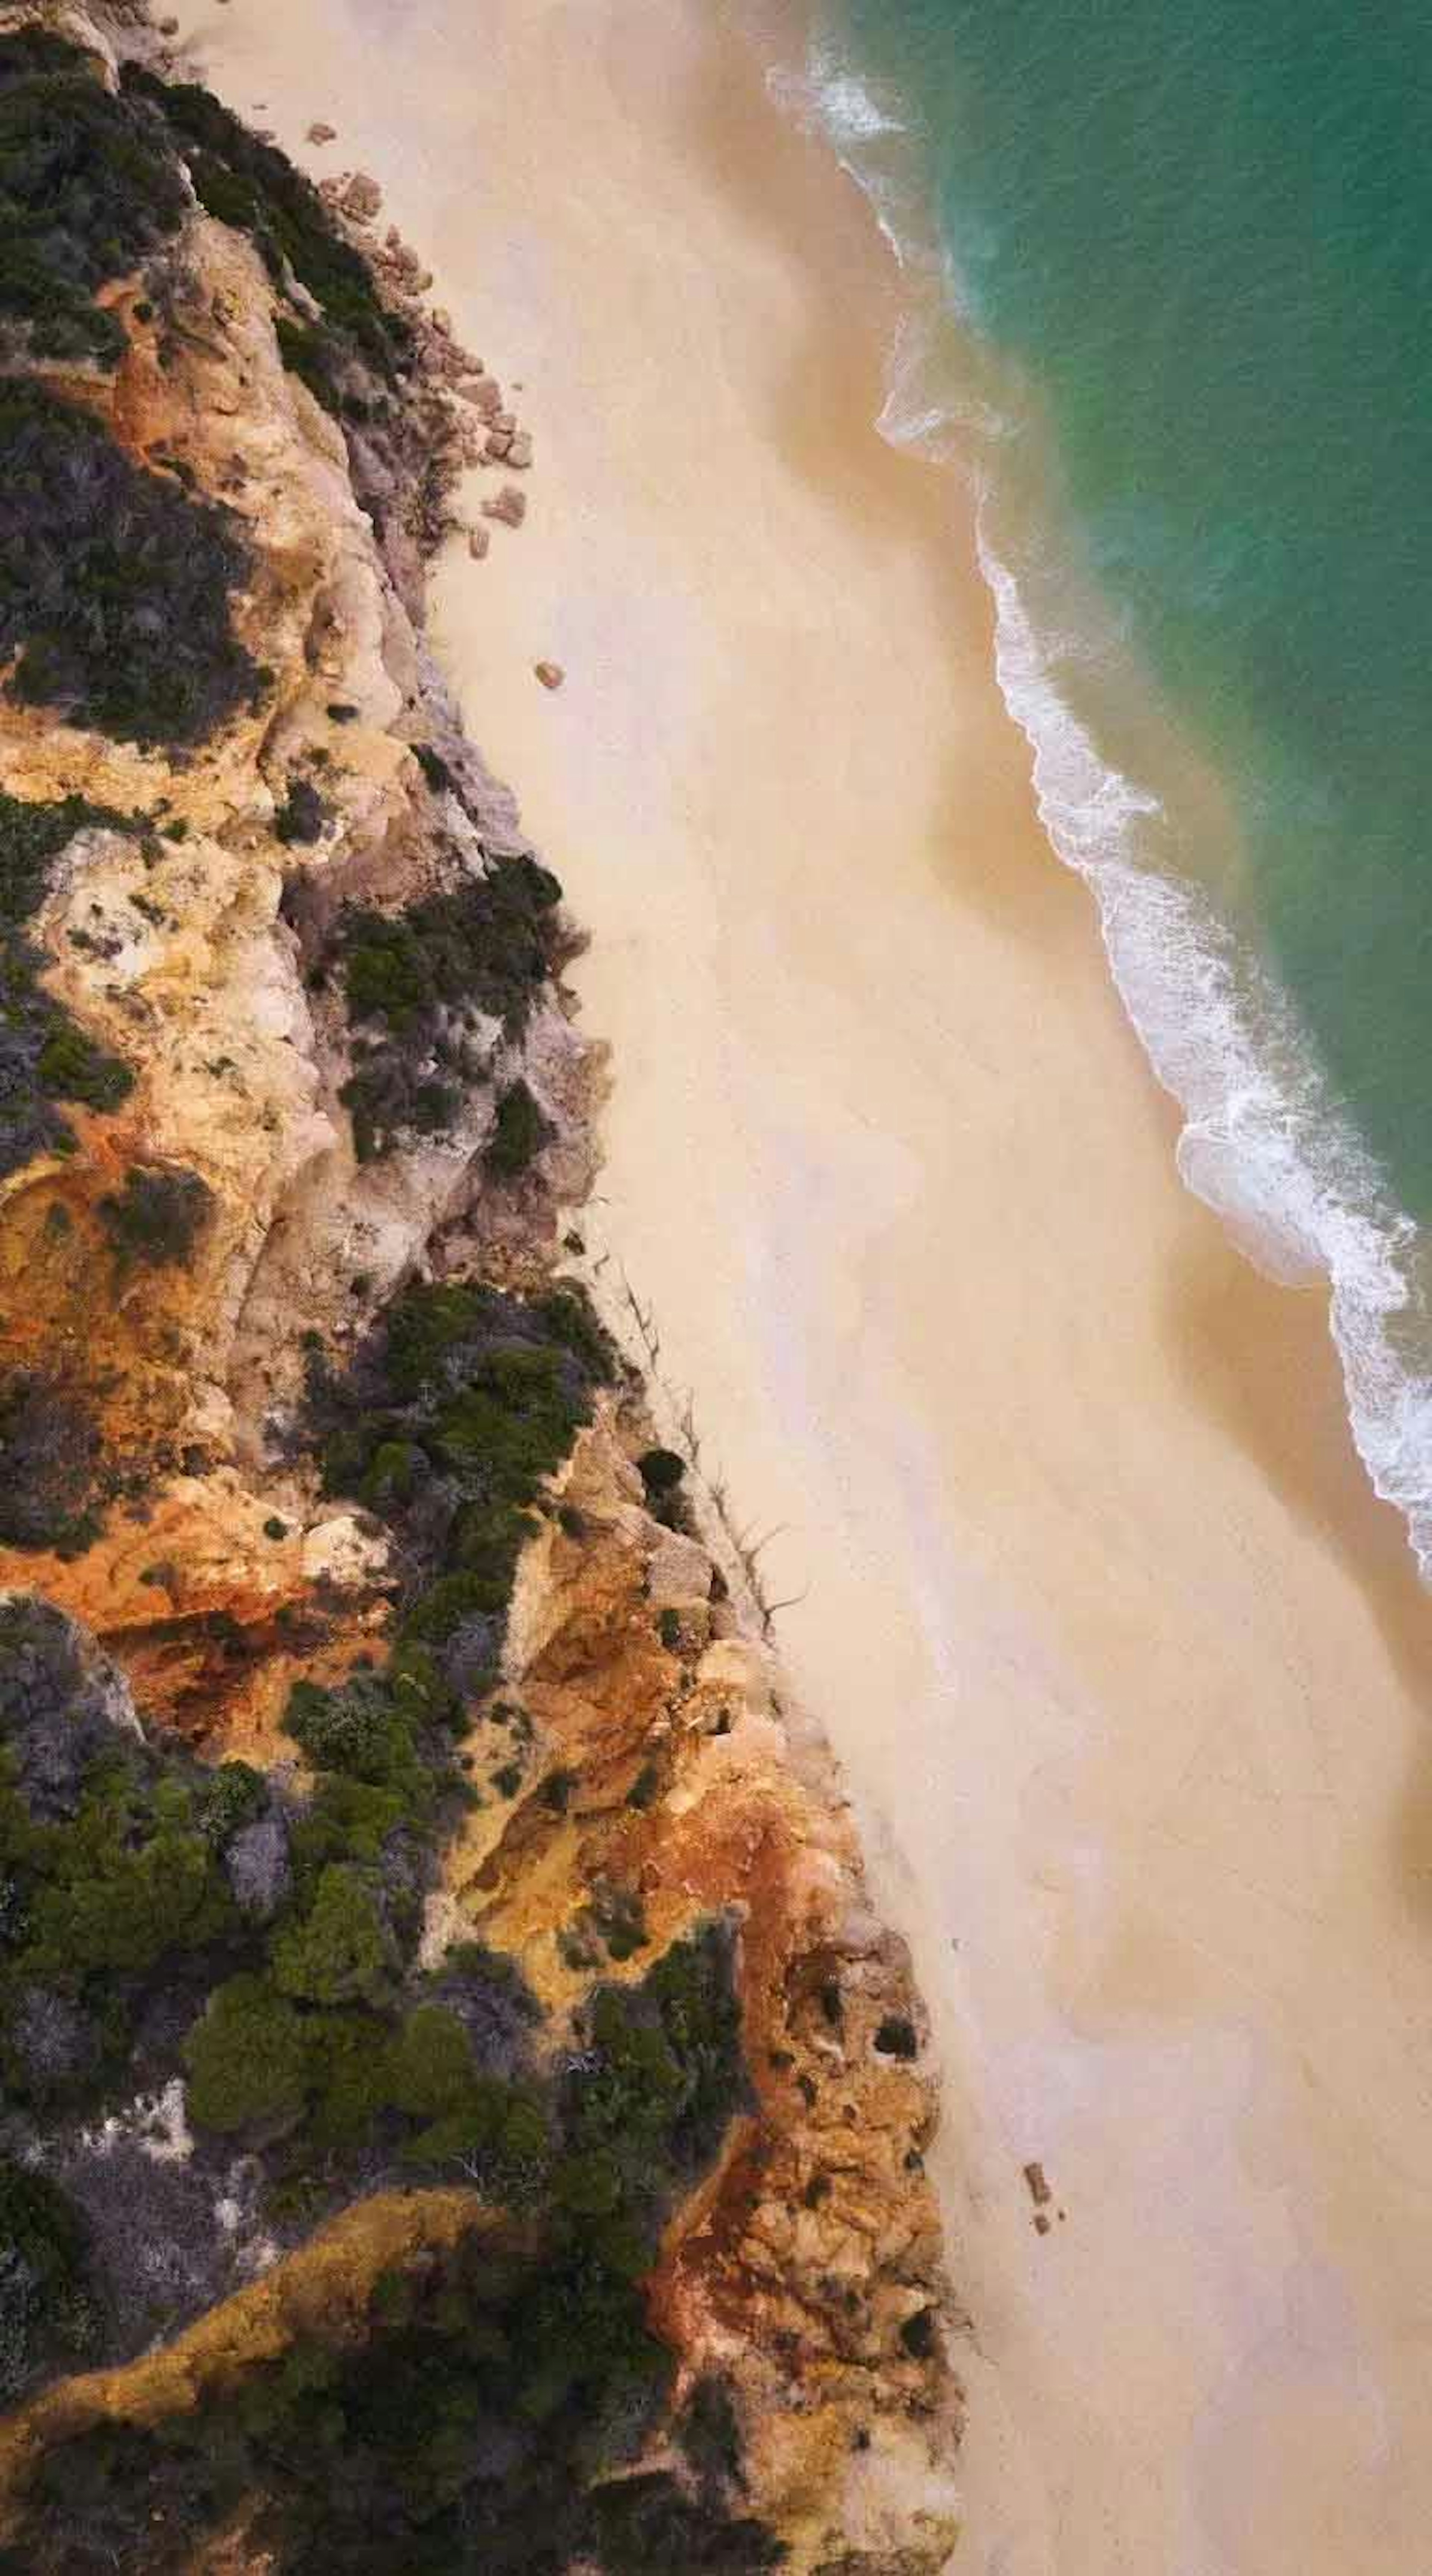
(1169, 274)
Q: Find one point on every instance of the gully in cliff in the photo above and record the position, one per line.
(459, 2110)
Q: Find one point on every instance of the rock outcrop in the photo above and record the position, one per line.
(349, 1092)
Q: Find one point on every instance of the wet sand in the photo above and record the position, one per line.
(1129, 1672)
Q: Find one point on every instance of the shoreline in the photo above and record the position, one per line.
(860, 1014)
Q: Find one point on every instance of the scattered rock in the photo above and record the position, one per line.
(318, 132)
(1039, 2191)
(498, 444)
(478, 541)
(442, 320)
(510, 507)
(551, 674)
(485, 395)
(519, 453)
(168, 26)
(257, 1868)
(362, 198)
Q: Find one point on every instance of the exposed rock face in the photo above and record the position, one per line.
(638, 1770)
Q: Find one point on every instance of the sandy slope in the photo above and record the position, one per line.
(1128, 1670)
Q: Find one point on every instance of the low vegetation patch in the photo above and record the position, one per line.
(114, 596)
(520, 1131)
(358, 348)
(419, 985)
(44, 1056)
(49, 1463)
(88, 188)
(155, 1219)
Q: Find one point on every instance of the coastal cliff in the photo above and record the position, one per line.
(460, 2106)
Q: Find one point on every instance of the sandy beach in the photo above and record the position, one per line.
(1128, 1670)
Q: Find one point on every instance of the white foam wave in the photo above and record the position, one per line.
(1263, 1142)
(836, 95)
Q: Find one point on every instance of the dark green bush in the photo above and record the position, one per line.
(342, 1950)
(71, 1066)
(88, 187)
(155, 1218)
(43, 1055)
(414, 984)
(47, 2309)
(897, 2037)
(302, 814)
(114, 585)
(49, 1461)
(519, 1134)
(247, 2059)
(475, 2424)
(661, 1470)
(360, 346)
(457, 2438)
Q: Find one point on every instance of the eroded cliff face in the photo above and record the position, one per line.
(315, 1444)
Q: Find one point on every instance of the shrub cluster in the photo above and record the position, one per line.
(155, 1218)
(88, 187)
(49, 1463)
(114, 584)
(475, 2424)
(255, 187)
(417, 983)
(493, 2389)
(453, 1412)
(47, 2310)
(433, 2443)
(44, 1055)
(108, 1878)
(520, 1131)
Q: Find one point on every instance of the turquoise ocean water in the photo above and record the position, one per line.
(1170, 300)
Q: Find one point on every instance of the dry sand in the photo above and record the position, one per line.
(1128, 1670)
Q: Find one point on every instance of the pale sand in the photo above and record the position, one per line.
(1128, 1671)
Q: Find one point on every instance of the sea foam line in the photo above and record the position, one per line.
(1263, 1142)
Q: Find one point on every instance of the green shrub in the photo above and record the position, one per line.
(302, 815)
(71, 1066)
(414, 982)
(645, 1786)
(87, 187)
(520, 1132)
(897, 2037)
(115, 602)
(360, 346)
(342, 1950)
(49, 1463)
(156, 1217)
(661, 1470)
(42, 1054)
(47, 2310)
(230, 1798)
(247, 2058)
